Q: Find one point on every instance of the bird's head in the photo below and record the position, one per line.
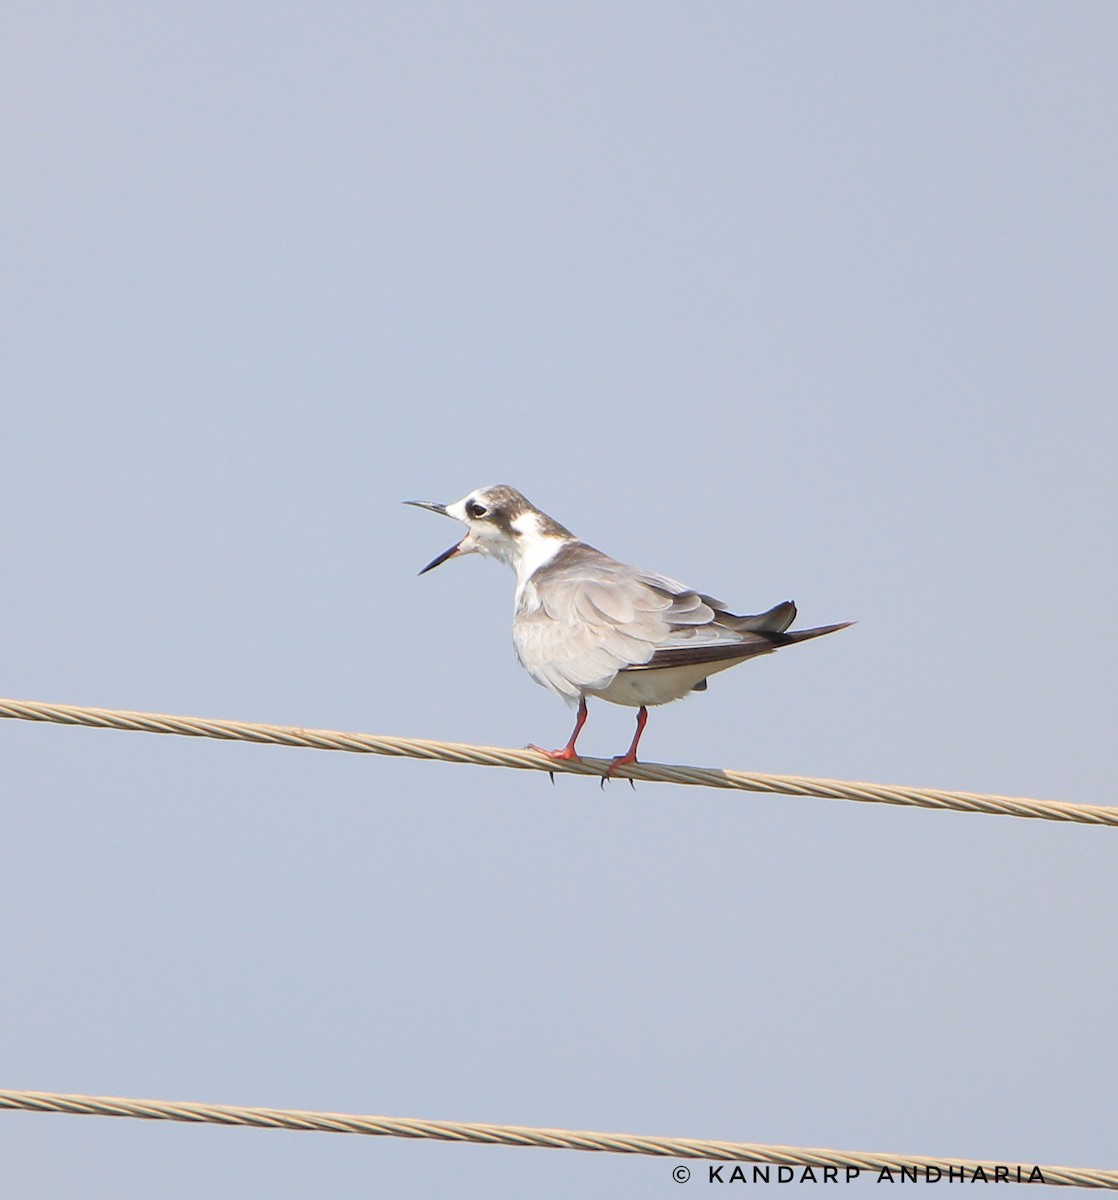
(499, 522)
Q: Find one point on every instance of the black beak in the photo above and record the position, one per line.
(441, 510)
(435, 562)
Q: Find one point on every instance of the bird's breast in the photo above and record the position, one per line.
(527, 599)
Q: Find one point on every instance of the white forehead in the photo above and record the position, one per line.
(505, 508)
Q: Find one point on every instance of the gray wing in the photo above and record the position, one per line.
(585, 617)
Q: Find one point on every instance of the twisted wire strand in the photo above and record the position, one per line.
(531, 760)
(520, 1135)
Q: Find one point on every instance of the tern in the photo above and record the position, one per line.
(587, 625)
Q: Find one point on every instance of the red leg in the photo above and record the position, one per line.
(630, 755)
(568, 751)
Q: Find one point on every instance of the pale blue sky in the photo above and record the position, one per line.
(788, 301)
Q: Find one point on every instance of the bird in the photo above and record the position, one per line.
(586, 625)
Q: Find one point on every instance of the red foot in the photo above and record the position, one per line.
(622, 760)
(567, 754)
(630, 755)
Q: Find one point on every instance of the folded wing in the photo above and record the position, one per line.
(586, 617)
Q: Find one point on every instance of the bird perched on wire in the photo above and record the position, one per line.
(588, 625)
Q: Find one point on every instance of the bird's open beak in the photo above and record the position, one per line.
(465, 546)
(430, 505)
(435, 562)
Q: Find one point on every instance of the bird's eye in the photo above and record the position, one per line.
(475, 510)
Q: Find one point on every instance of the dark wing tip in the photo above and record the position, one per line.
(803, 635)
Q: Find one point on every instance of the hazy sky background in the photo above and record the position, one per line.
(792, 300)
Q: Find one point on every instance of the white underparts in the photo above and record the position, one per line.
(658, 686)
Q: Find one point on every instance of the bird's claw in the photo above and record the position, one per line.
(564, 755)
(623, 760)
